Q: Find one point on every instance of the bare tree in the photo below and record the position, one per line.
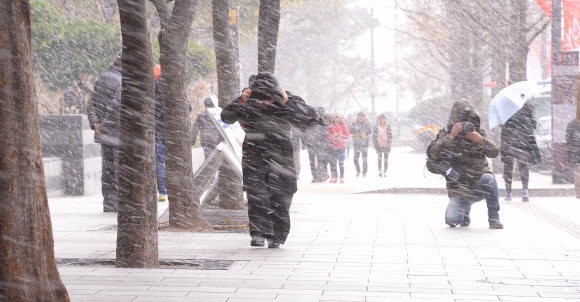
(184, 207)
(28, 269)
(231, 194)
(137, 244)
(268, 24)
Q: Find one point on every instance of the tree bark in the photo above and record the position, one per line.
(184, 207)
(137, 244)
(28, 269)
(268, 24)
(230, 185)
(519, 51)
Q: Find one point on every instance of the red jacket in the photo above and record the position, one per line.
(337, 135)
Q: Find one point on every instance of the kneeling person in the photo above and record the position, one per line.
(470, 180)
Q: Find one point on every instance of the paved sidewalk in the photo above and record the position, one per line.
(363, 247)
(406, 172)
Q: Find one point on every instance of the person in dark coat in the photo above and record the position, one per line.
(518, 143)
(160, 153)
(316, 144)
(267, 114)
(361, 132)
(104, 111)
(208, 132)
(573, 145)
(382, 141)
(470, 179)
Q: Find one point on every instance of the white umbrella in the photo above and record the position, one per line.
(508, 101)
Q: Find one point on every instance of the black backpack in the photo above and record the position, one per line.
(438, 166)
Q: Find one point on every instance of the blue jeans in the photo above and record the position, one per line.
(160, 166)
(486, 188)
(338, 155)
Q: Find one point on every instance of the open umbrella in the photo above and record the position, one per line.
(508, 101)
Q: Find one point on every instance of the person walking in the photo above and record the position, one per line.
(361, 132)
(518, 143)
(206, 128)
(160, 154)
(337, 135)
(382, 140)
(317, 146)
(573, 145)
(104, 112)
(469, 180)
(269, 177)
(297, 138)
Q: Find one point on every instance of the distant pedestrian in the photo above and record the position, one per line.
(518, 143)
(573, 144)
(317, 146)
(382, 140)
(160, 154)
(104, 112)
(208, 132)
(297, 138)
(361, 132)
(337, 135)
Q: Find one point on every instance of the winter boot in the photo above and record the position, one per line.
(257, 241)
(466, 219)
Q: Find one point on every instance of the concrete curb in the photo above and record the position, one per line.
(559, 192)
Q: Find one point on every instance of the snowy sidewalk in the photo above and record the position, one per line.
(406, 173)
(363, 247)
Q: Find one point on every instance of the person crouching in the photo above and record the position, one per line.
(470, 179)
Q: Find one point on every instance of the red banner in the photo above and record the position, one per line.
(571, 31)
(546, 6)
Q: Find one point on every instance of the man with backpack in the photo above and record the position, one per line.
(461, 156)
(361, 131)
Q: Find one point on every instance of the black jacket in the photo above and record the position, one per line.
(388, 139)
(159, 114)
(209, 136)
(105, 106)
(361, 130)
(573, 142)
(267, 150)
(517, 137)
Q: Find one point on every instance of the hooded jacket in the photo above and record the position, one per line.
(360, 131)
(105, 106)
(468, 157)
(268, 155)
(388, 138)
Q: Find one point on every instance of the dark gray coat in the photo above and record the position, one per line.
(517, 137)
(105, 106)
(573, 142)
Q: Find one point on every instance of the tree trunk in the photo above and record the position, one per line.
(519, 50)
(137, 244)
(230, 185)
(184, 207)
(28, 269)
(268, 23)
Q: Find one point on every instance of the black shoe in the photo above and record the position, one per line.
(364, 175)
(257, 241)
(357, 174)
(273, 244)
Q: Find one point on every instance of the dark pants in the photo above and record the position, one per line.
(364, 152)
(160, 159)
(383, 162)
(337, 158)
(318, 164)
(508, 173)
(110, 177)
(486, 188)
(269, 214)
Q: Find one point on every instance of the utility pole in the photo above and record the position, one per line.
(556, 30)
(544, 58)
(372, 63)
